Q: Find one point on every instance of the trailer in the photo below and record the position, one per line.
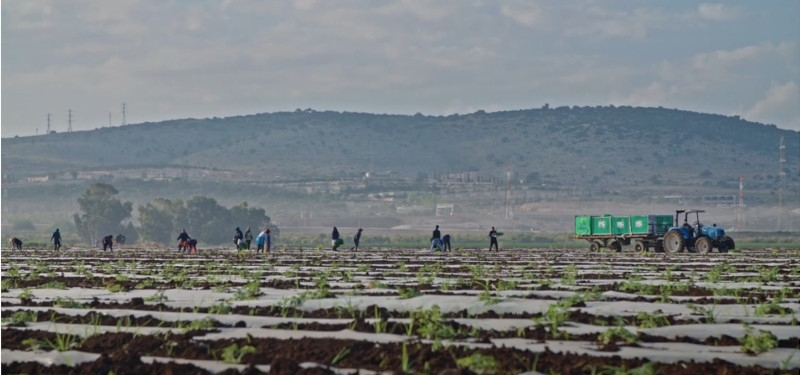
(645, 232)
(659, 232)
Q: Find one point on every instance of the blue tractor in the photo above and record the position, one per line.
(695, 237)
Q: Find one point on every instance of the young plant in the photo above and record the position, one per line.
(250, 290)
(22, 317)
(654, 320)
(340, 356)
(406, 293)
(616, 333)
(26, 294)
(569, 274)
(405, 362)
(158, 297)
(755, 343)
(479, 364)
(709, 313)
(234, 354)
(63, 342)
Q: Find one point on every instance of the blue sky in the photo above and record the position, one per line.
(179, 59)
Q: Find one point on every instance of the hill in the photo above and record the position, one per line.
(294, 163)
(616, 146)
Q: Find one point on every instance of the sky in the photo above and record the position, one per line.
(173, 59)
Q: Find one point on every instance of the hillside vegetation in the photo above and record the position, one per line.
(307, 168)
(615, 146)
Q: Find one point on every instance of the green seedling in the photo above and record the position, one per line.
(569, 274)
(234, 354)
(616, 333)
(63, 342)
(755, 343)
(405, 362)
(709, 313)
(26, 294)
(221, 308)
(158, 297)
(21, 317)
(654, 320)
(406, 293)
(67, 303)
(145, 284)
(251, 290)
(340, 356)
(478, 363)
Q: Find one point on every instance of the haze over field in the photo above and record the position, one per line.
(213, 59)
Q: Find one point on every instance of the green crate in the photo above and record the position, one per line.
(641, 224)
(583, 225)
(601, 224)
(621, 224)
(662, 223)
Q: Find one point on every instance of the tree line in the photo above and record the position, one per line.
(160, 221)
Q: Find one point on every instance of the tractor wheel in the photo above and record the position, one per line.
(615, 246)
(703, 245)
(725, 244)
(594, 246)
(639, 247)
(674, 242)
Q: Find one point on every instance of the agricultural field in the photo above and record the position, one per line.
(392, 311)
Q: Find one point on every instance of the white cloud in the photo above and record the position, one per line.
(527, 14)
(779, 101)
(717, 12)
(429, 56)
(29, 16)
(721, 59)
(653, 95)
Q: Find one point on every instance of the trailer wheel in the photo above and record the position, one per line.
(639, 247)
(674, 242)
(703, 245)
(615, 246)
(594, 246)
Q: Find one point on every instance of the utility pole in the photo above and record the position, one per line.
(48, 123)
(509, 210)
(740, 219)
(69, 121)
(123, 114)
(783, 214)
(109, 119)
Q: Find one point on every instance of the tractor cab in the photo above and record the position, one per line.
(691, 234)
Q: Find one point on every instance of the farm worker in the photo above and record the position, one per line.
(356, 239)
(268, 244)
(192, 245)
(182, 240)
(446, 242)
(15, 243)
(335, 239)
(436, 233)
(261, 239)
(108, 242)
(237, 237)
(56, 238)
(248, 237)
(437, 243)
(493, 240)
